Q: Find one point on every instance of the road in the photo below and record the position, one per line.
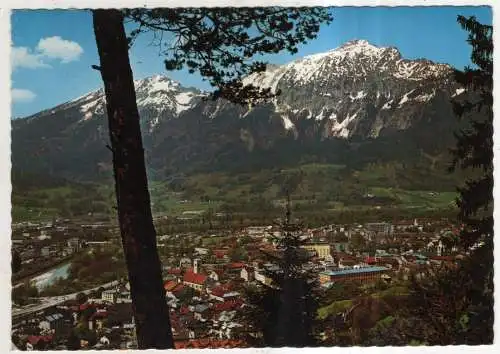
(56, 300)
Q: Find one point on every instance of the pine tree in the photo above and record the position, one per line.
(474, 148)
(284, 311)
(219, 43)
(475, 151)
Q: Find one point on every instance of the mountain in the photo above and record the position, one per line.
(347, 105)
(356, 89)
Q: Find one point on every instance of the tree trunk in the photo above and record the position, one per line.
(132, 195)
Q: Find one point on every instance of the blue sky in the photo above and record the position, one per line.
(54, 49)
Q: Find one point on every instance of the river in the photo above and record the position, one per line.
(46, 279)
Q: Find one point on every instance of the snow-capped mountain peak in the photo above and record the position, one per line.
(157, 97)
(343, 80)
(157, 83)
(357, 58)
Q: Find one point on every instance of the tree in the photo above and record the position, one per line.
(23, 293)
(81, 298)
(474, 148)
(358, 241)
(238, 254)
(73, 342)
(216, 42)
(284, 311)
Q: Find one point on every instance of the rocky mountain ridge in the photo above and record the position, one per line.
(356, 92)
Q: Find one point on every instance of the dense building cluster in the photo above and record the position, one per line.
(205, 284)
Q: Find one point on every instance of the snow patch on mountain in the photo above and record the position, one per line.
(360, 95)
(405, 98)
(458, 92)
(387, 105)
(287, 123)
(425, 97)
(340, 129)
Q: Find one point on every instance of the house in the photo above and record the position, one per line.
(123, 293)
(220, 293)
(180, 291)
(195, 280)
(45, 251)
(404, 225)
(221, 254)
(38, 342)
(347, 262)
(173, 290)
(169, 285)
(175, 272)
(200, 310)
(322, 249)
(74, 244)
(204, 343)
(230, 305)
(262, 278)
(201, 251)
(184, 262)
(247, 273)
(52, 322)
(216, 275)
(97, 319)
(234, 269)
(109, 296)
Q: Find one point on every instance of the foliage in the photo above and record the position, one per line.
(21, 295)
(81, 298)
(334, 308)
(220, 43)
(475, 144)
(284, 311)
(238, 254)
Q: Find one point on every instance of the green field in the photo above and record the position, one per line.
(314, 188)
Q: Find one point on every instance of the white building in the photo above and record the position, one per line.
(109, 296)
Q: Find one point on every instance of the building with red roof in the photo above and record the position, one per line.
(228, 305)
(209, 343)
(38, 342)
(174, 271)
(216, 274)
(195, 280)
(169, 285)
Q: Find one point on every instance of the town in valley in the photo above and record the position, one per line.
(205, 277)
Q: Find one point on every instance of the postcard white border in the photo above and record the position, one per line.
(5, 162)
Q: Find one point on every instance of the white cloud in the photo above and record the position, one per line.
(22, 57)
(22, 95)
(58, 48)
(49, 48)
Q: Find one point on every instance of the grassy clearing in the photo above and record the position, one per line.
(333, 308)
